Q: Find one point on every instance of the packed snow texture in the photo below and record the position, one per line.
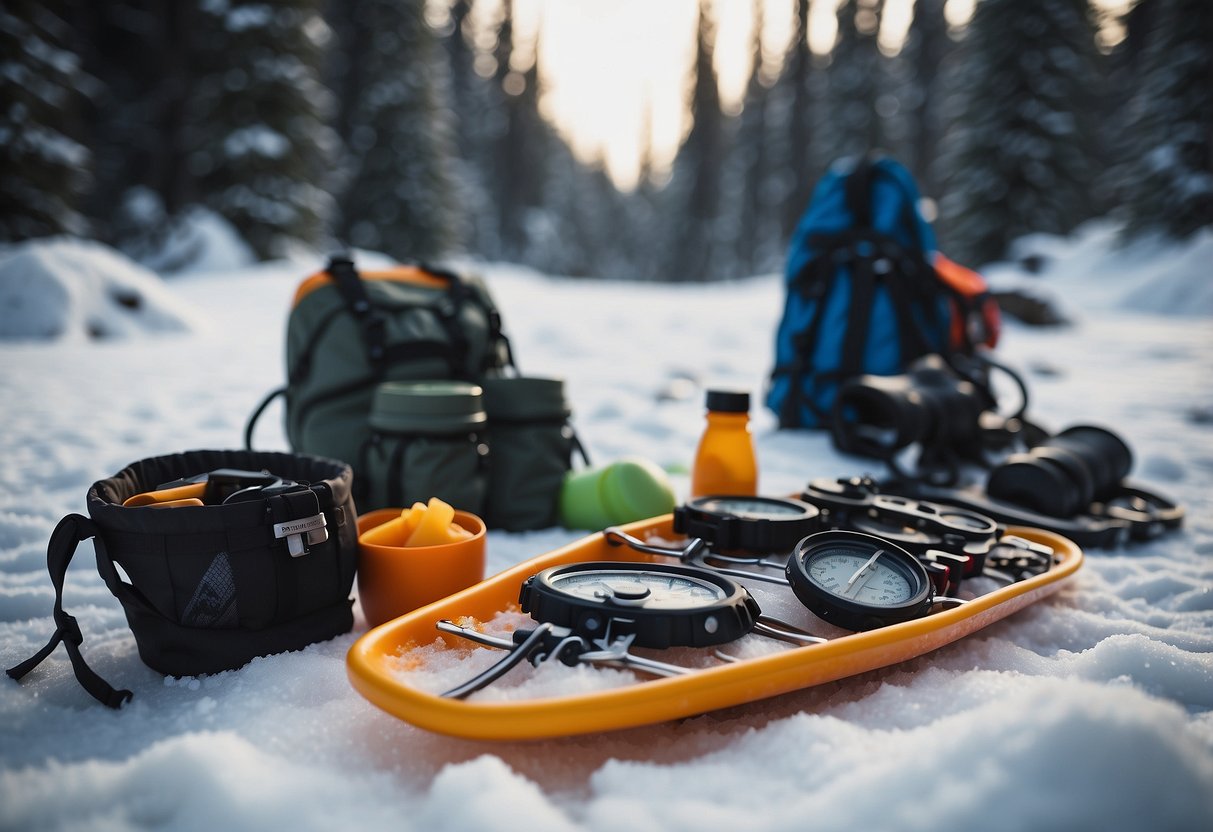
(1092, 709)
(69, 288)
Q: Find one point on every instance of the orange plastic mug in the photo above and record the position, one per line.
(393, 580)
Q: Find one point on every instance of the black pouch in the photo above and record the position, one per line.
(210, 587)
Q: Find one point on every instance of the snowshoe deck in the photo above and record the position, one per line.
(375, 660)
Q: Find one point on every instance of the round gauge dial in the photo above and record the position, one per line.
(660, 605)
(868, 580)
(640, 588)
(747, 524)
(751, 507)
(858, 581)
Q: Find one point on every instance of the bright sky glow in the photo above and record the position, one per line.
(615, 74)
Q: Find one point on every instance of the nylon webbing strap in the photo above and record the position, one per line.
(71, 530)
(863, 289)
(251, 424)
(353, 291)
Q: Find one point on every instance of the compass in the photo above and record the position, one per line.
(749, 524)
(661, 605)
(858, 581)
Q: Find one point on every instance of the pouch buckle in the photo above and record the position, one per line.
(313, 528)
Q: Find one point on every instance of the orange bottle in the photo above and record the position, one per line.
(725, 462)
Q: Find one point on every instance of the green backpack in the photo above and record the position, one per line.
(353, 342)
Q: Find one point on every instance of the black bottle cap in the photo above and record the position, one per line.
(728, 401)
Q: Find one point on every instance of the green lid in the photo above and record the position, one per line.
(427, 407)
(520, 399)
(636, 489)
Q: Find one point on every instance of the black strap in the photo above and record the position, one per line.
(71, 530)
(252, 420)
(353, 292)
(859, 192)
(859, 315)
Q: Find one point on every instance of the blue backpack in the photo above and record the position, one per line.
(863, 294)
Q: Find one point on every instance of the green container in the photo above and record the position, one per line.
(622, 492)
(532, 446)
(427, 440)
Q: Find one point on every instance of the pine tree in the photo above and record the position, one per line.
(478, 121)
(46, 168)
(693, 195)
(794, 153)
(400, 195)
(1168, 175)
(854, 84)
(260, 150)
(522, 152)
(1020, 159)
(917, 126)
(752, 215)
(641, 225)
(140, 55)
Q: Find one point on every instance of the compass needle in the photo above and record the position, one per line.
(858, 581)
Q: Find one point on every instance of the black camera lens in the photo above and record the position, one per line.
(878, 416)
(1063, 475)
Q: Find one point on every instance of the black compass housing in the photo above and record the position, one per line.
(845, 612)
(705, 625)
(747, 524)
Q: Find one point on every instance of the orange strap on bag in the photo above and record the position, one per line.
(976, 319)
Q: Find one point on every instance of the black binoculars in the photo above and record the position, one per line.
(1063, 475)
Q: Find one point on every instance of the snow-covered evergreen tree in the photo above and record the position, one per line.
(1167, 179)
(141, 57)
(855, 84)
(916, 123)
(260, 148)
(400, 196)
(521, 153)
(478, 122)
(45, 167)
(753, 218)
(1020, 158)
(794, 119)
(692, 199)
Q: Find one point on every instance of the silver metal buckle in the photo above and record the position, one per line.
(294, 531)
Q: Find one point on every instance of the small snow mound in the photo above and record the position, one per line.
(195, 240)
(203, 241)
(67, 288)
(1096, 270)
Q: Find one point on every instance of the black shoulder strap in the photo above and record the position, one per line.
(71, 530)
(252, 420)
(859, 192)
(353, 292)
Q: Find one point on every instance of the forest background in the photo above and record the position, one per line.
(420, 129)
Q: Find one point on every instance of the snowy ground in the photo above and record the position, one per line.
(1090, 710)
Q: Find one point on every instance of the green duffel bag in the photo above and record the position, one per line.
(348, 332)
(531, 447)
(427, 440)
